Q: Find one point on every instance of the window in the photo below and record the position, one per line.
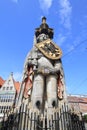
(11, 88)
(4, 88)
(7, 88)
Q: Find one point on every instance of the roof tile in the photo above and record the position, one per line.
(1, 81)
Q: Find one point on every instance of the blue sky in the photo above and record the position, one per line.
(68, 18)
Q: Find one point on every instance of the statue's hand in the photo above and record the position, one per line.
(34, 62)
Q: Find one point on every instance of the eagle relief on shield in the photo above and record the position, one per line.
(49, 49)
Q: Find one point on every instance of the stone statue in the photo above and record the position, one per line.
(43, 77)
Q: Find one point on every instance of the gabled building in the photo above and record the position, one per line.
(8, 92)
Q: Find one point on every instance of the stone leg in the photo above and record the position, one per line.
(37, 92)
(51, 84)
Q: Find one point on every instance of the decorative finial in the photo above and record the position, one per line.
(43, 20)
(11, 73)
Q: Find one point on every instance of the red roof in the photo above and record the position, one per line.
(78, 102)
(77, 99)
(17, 86)
(1, 81)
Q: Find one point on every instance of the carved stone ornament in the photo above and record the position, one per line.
(49, 49)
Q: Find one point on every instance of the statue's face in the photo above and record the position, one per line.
(42, 37)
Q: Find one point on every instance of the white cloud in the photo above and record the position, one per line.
(15, 1)
(61, 39)
(71, 48)
(17, 76)
(45, 5)
(65, 13)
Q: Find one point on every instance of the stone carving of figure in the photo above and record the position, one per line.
(43, 77)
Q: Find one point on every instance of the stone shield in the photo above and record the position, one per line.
(49, 49)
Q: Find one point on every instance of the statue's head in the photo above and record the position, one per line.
(43, 32)
(42, 37)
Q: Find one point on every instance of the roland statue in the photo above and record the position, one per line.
(43, 77)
